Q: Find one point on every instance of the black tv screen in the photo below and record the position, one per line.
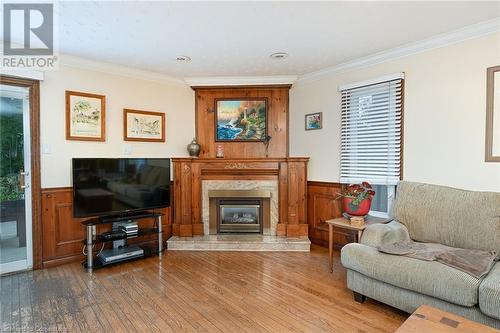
(114, 186)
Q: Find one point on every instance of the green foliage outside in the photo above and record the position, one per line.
(9, 188)
(11, 145)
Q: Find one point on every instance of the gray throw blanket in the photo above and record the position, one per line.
(474, 262)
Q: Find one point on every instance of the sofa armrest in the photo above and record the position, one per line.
(489, 293)
(377, 234)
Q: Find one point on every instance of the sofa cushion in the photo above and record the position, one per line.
(427, 277)
(489, 293)
(449, 216)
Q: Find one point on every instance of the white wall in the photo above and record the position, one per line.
(176, 100)
(444, 116)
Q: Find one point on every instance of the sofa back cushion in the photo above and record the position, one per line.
(450, 216)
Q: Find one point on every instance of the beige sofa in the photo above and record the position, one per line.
(430, 213)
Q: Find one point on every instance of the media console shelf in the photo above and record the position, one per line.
(93, 239)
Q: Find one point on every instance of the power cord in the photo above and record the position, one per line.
(85, 247)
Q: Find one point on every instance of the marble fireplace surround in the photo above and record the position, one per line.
(242, 185)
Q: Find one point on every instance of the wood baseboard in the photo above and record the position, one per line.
(64, 260)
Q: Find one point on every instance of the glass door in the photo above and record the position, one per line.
(16, 252)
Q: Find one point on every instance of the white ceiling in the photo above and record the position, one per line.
(236, 38)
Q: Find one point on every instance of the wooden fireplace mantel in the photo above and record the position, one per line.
(290, 172)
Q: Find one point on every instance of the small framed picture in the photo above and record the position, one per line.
(147, 126)
(314, 121)
(85, 116)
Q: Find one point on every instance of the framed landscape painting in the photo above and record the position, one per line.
(144, 126)
(241, 119)
(85, 116)
(314, 121)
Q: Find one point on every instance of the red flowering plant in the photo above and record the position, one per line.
(357, 198)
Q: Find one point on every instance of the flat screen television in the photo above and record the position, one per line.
(117, 186)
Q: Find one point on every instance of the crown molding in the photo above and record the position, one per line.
(385, 78)
(105, 67)
(240, 80)
(453, 37)
(22, 73)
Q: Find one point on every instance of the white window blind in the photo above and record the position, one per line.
(371, 133)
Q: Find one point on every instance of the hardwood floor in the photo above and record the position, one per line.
(194, 292)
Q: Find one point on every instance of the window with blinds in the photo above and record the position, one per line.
(371, 132)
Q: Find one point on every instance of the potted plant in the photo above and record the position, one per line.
(357, 199)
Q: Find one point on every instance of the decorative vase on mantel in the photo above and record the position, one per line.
(194, 148)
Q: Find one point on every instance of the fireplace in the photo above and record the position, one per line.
(239, 211)
(239, 216)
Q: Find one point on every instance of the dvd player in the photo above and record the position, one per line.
(109, 256)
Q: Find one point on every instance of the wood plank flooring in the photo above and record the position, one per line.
(193, 292)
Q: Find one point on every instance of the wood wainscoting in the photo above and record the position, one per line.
(62, 235)
(321, 206)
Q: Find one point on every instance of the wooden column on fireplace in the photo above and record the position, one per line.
(290, 173)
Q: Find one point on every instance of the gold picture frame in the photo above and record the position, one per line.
(85, 116)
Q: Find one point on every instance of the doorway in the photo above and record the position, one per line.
(19, 174)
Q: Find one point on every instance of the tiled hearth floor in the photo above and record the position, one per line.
(238, 243)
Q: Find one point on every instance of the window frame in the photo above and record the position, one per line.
(391, 189)
(391, 196)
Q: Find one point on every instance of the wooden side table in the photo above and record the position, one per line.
(344, 223)
(429, 319)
